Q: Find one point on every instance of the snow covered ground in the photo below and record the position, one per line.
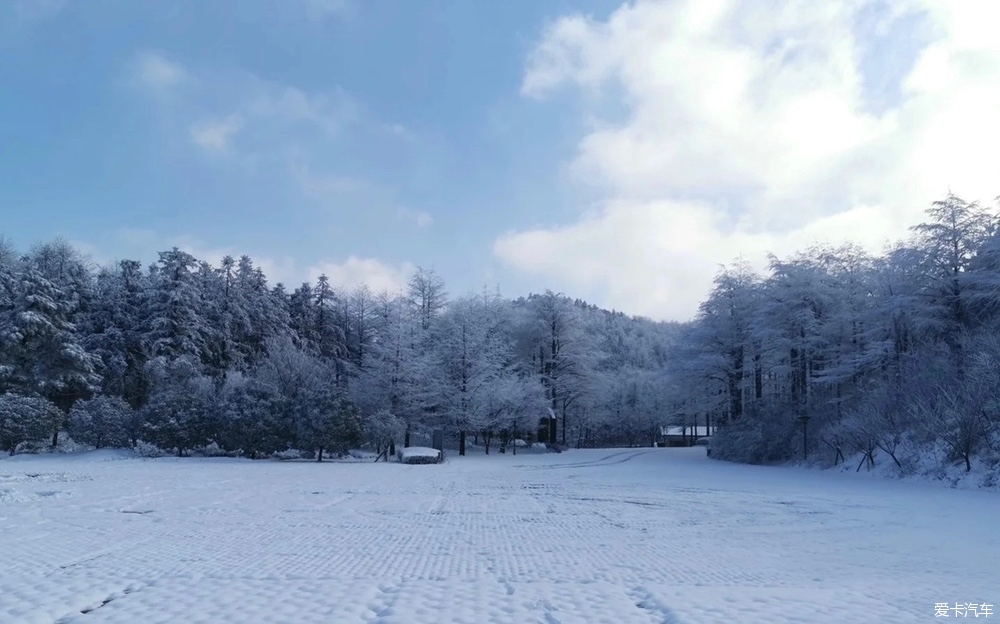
(616, 536)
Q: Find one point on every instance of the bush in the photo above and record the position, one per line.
(145, 449)
(288, 454)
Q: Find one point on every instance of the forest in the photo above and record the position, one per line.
(840, 353)
(832, 354)
(183, 356)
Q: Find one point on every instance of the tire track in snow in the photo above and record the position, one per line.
(604, 461)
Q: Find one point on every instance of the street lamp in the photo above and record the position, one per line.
(805, 446)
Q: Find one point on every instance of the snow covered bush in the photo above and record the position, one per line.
(288, 454)
(211, 450)
(145, 449)
(101, 422)
(25, 420)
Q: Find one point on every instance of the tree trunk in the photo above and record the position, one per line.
(461, 442)
(319, 456)
(758, 378)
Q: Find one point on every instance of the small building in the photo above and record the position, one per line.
(684, 435)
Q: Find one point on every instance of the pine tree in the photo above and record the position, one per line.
(44, 356)
(112, 331)
(176, 326)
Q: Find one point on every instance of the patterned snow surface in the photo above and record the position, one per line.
(660, 536)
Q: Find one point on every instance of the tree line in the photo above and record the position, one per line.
(836, 352)
(833, 352)
(183, 355)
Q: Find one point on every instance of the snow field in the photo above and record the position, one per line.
(644, 535)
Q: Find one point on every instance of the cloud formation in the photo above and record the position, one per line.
(291, 135)
(355, 271)
(239, 112)
(418, 218)
(156, 72)
(752, 127)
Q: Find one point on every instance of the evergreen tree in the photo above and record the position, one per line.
(176, 326)
(43, 355)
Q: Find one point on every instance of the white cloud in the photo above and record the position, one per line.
(269, 116)
(747, 130)
(216, 135)
(399, 131)
(287, 105)
(354, 271)
(419, 218)
(218, 107)
(156, 72)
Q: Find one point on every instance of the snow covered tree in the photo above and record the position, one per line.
(254, 418)
(726, 352)
(561, 352)
(360, 315)
(474, 349)
(25, 419)
(176, 326)
(949, 244)
(101, 422)
(180, 412)
(427, 295)
(8, 294)
(512, 400)
(42, 352)
(381, 430)
(329, 422)
(262, 313)
(112, 331)
(397, 371)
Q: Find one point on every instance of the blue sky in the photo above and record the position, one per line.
(614, 151)
(430, 150)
